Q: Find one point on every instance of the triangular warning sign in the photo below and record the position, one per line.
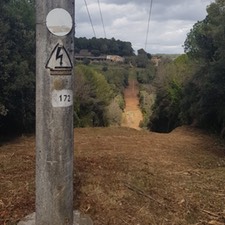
(59, 59)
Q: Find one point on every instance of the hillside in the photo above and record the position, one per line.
(124, 176)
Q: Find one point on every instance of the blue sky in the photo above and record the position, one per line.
(127, 20)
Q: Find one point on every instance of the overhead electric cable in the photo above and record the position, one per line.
(149, 18)
(101, 18)
(90, 18)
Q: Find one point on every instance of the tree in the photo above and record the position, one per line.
(117, 78)
(92, 96)
(142, 61)
(206, 43)
(114, 114)
(145, 76)
(17, 65)
(104, 46)
(142, 52)
(170, 80)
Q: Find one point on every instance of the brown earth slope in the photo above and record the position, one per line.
(124, 176)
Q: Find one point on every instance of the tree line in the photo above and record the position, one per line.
(190, 89)
(17, 66)
(187, 90)
(104, 46)
(99, 95)
(98, 91)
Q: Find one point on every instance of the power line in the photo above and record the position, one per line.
(149, 18)
(101, 18)
(90, 18)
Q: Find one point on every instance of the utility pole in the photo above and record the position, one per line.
(54, 116)
(54, 112)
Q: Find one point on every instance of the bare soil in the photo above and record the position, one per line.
(132, 114)
(124, 176)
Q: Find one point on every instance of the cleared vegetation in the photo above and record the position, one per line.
(124, 176)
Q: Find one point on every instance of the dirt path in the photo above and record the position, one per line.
(132, 113)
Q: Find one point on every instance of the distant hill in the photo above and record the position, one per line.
(170, 56)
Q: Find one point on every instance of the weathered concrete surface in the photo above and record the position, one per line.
(78, 219)
(54, 123)
(28, 220)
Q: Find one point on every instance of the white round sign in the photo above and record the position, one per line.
(59, 22)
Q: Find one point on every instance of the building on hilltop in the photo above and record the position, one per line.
(85, 54)
(115, 58)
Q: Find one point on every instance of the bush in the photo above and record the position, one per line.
(114, 114)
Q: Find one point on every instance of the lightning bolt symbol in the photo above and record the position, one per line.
(59, 56)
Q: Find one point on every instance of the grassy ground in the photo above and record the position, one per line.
(124, 176)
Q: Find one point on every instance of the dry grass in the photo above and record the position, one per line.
(123, 176)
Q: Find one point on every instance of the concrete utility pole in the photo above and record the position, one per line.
(54, 112)
(54, 116)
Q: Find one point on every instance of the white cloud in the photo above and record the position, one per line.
(126, 20)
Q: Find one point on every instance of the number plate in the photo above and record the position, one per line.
(62, 98)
